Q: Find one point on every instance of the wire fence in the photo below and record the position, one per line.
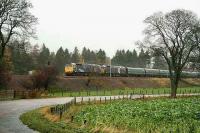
(18, 94)
(23, 94)
(61, 108)
(112, 92)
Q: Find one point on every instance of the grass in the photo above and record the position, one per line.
(38, 121)
(159, 115)
(151, 115)
(122, 91)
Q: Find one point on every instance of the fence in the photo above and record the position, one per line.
(21, 94)
(60, 109)
(112, 92)
(18, 94)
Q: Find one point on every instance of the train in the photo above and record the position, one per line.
(75, 69)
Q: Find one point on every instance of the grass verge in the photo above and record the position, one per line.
(36, 120)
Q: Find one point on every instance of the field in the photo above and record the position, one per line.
(181, 115)
(159, 115)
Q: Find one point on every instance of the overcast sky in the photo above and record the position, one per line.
(106, 24)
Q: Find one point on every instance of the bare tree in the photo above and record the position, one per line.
(16, 20)
(174, 36)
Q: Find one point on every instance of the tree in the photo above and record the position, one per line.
(101, 57)
(21, 57)
(85, 54)
(15, 21)
(75, 56)
(142, 59)
(43, 58)
(60, 60)
(134, 59)
(5, 66)
(67, 56)
(174, 36)
(35, 54)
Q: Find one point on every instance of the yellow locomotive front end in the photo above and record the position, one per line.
(69, 69)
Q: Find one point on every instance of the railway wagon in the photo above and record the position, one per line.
(164, 73)
(136, 71)
(186, 74)
(152, 72)
(115, 71)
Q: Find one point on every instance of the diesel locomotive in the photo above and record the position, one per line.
(75, 69)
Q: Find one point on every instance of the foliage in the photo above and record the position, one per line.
(13, 23)
(44, 56)
(22, 60)
(76, 56)
(40, 78)
(60, 60)
(131, 58)
(159, 115)
(174, 36)
(43, 77)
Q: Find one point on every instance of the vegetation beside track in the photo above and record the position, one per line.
(150, 115)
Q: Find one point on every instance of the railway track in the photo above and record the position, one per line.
(105, 77)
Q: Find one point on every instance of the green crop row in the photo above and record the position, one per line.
(158, 115)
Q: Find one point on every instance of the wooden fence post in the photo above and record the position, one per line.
(74, 100)
(61, 114)
(72, 118)
(130, 95)
(62, 92)
(95, 100)
(14, 94)
(82, 100)
(89, 100)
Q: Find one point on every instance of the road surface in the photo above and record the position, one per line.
(11, 110)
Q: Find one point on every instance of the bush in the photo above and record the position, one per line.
(40, 79)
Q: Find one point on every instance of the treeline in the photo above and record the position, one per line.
(131, 58)
(26, 57)
(141, 59)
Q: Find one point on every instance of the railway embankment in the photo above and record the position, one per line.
(81, 83)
